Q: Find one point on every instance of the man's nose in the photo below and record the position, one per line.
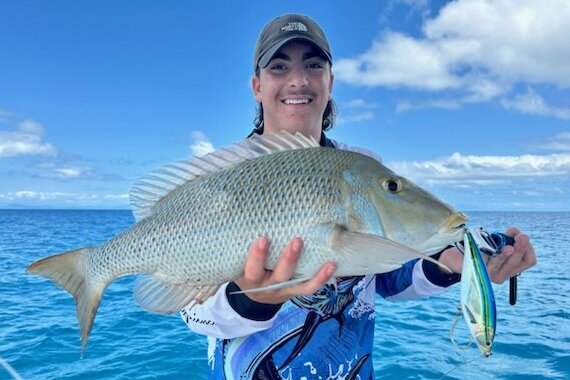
(298, 77)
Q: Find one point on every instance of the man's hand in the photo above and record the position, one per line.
(256, 276)
(512, 260)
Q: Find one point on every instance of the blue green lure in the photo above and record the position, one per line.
(477, 299)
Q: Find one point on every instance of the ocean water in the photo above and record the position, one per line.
(39, 334)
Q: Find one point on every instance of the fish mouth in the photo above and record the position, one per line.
(456, 223)
(451, 231)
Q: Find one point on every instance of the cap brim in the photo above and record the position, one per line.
(268, 55)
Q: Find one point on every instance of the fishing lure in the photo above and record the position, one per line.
(477, 299)
(492, 244)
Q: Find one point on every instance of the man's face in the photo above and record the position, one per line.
(294, 90)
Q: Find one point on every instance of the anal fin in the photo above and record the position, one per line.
(167, 298)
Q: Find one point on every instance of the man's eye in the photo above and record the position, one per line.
(315, 65)
(278, 67)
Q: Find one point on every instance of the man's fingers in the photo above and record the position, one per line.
(314, 284)
(501, 266)
(528, 256)
(285, 267)
(256, 275)
(494, 265)
(512, 260)
(512, 231)
(254, 270)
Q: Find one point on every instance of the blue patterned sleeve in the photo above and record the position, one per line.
(392, 283)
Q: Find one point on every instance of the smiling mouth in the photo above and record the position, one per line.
(297, 101)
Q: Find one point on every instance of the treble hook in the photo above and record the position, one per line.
(452, 330)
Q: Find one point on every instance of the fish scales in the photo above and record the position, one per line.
(196, 221)
(280, 196)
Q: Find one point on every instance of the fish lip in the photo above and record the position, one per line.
(456, 222)
(462, 227)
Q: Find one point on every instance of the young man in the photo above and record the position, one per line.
(310, 329)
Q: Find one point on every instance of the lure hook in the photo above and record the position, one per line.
(452, 331)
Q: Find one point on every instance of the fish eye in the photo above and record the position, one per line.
(393, 185)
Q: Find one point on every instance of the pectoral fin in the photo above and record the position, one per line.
(372, 254)
(367, 253)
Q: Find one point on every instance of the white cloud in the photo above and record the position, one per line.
(449, 104)
(525, 182)
(518, 40)
(69, 172)
(46, 196)
(359, 103)
(354, 117)
(355, 110)
(62, 169)
(461, 168)
(4, 115)
(465, 183)
(201, 145)
(478, 49)
(558, 142)
(55, 197)
(398, 60)
(26, 140)
(31, 127)
(532, 103)
(116, 196)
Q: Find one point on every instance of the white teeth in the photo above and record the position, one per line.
(296, 101)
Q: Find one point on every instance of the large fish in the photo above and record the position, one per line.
(197, 219)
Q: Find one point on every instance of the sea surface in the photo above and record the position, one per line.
(39, 334)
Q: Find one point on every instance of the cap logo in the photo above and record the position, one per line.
(294, 27)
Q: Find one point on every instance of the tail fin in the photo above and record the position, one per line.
(68, 271)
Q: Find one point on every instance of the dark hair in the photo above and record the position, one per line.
(329, 117)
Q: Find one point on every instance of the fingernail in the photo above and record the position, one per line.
(297, 244)
(262, 243)
(330, 270)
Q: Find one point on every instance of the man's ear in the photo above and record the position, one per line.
(256, 87)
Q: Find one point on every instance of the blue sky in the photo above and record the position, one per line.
(470, 99)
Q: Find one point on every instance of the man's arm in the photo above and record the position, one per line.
(420, 278)
(217, 317)
(415, 279)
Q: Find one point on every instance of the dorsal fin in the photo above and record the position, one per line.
(150, 189)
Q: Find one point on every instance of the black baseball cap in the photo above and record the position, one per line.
(286, 28)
